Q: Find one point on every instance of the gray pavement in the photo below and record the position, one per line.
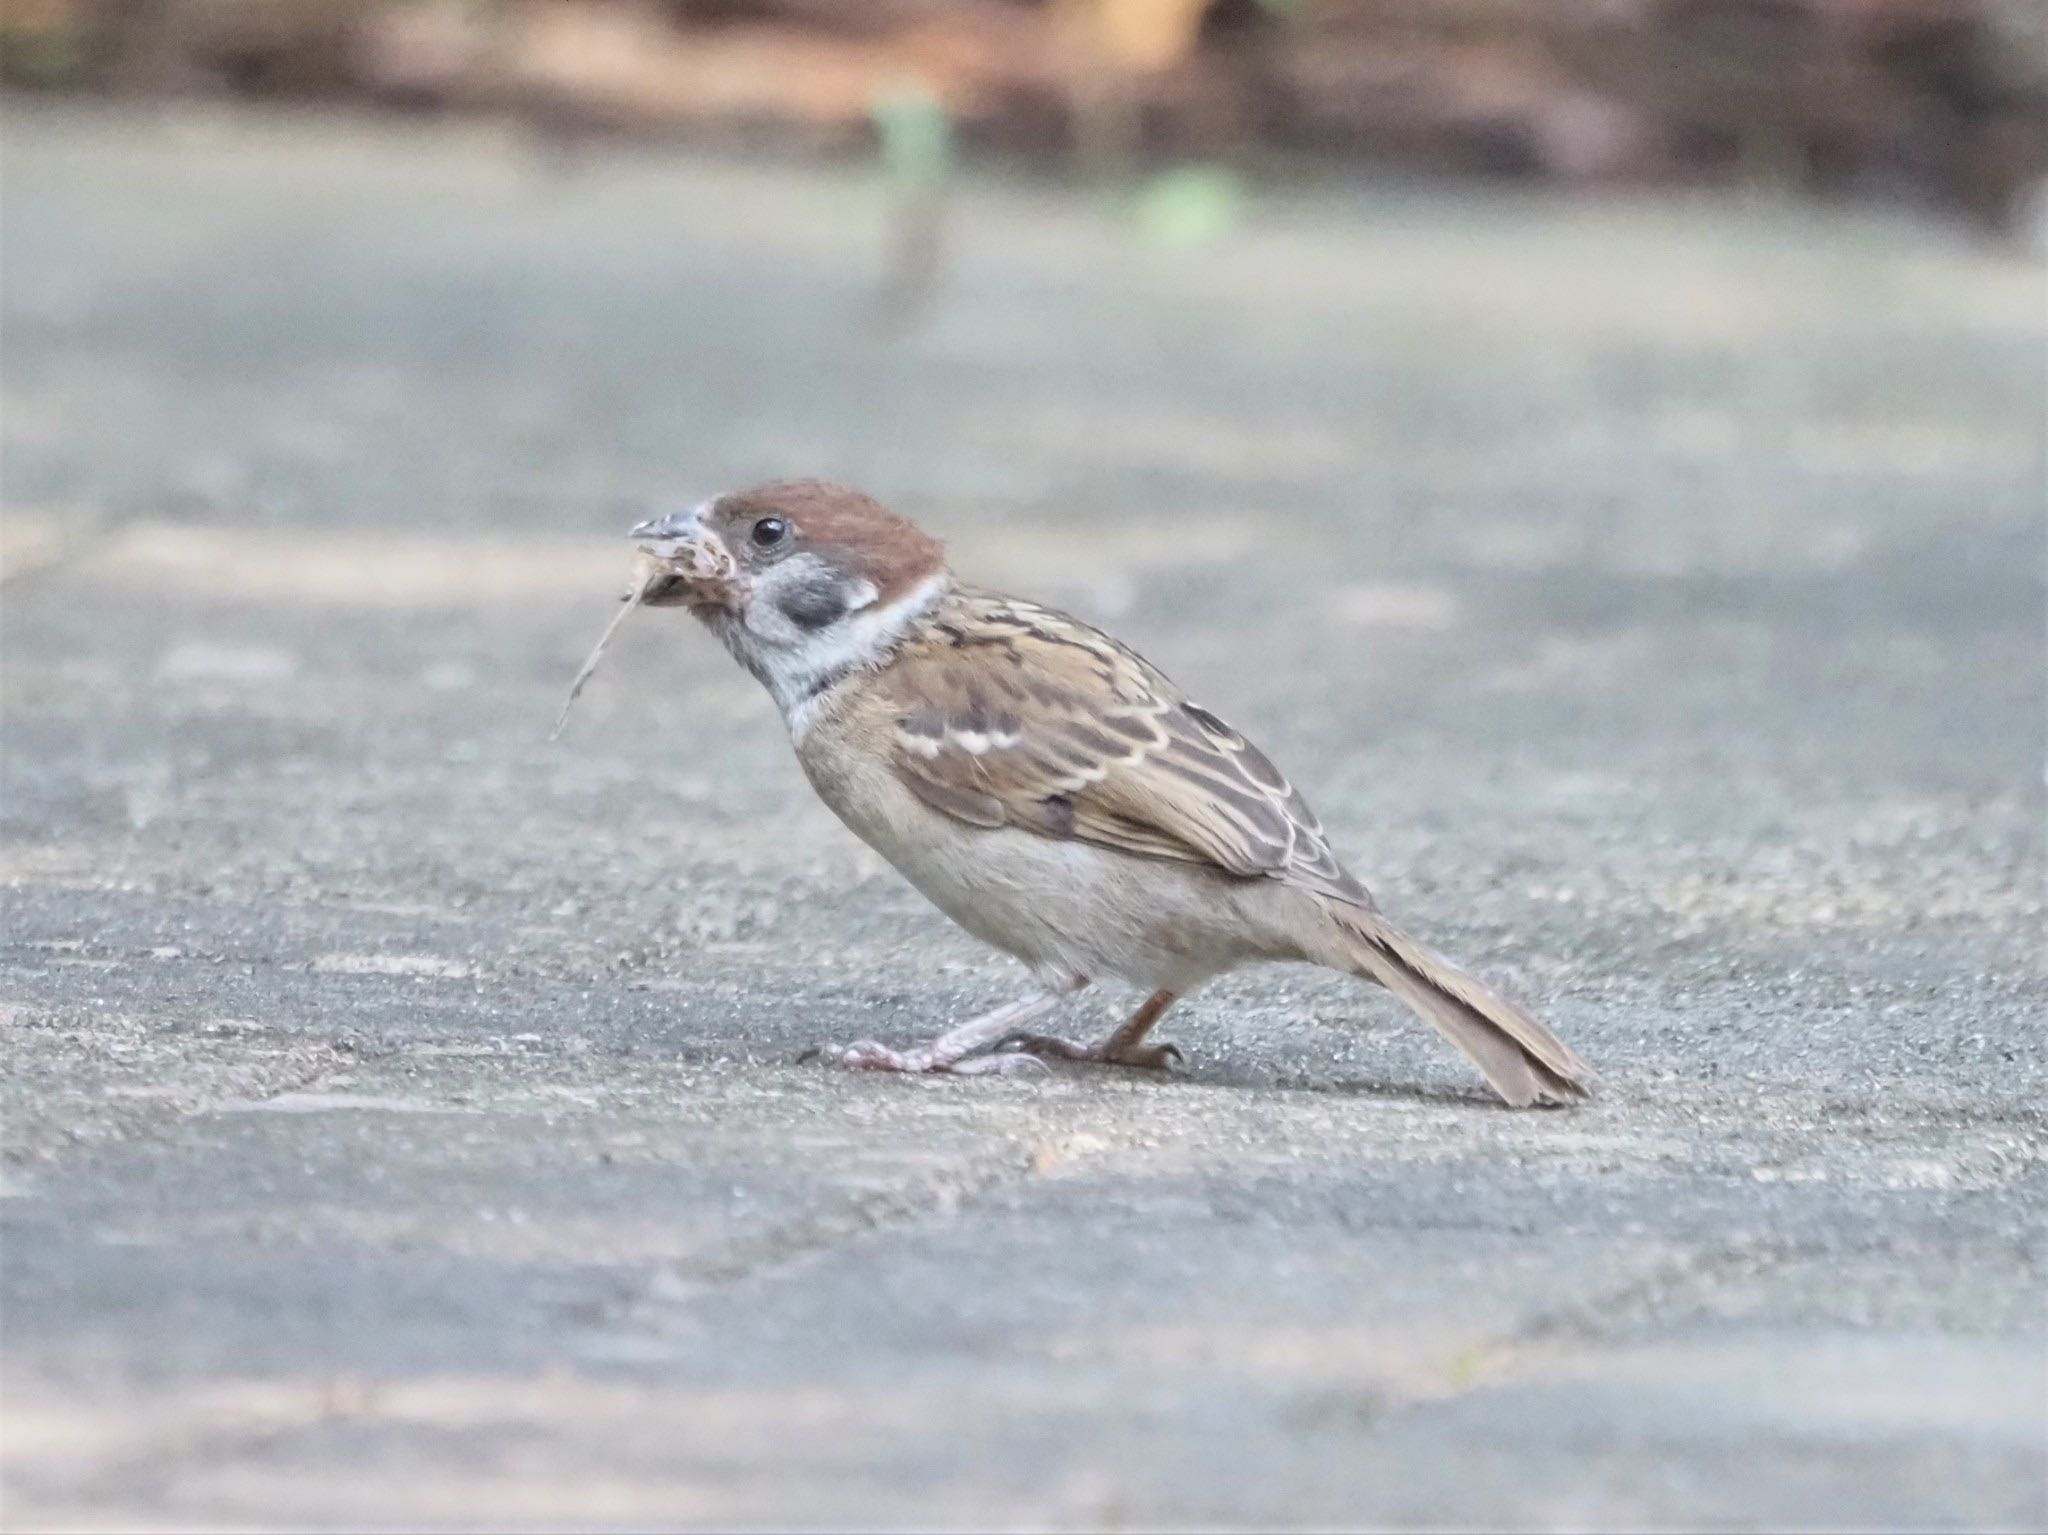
(402, 1121)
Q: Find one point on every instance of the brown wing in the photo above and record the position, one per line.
(1011, 714)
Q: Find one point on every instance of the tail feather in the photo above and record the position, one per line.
(1525, 1062)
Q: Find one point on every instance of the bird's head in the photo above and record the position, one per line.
(802, 579)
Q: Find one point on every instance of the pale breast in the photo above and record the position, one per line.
(1064, 908)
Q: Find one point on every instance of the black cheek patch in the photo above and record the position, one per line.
(814, 605)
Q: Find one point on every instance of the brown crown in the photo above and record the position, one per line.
(836, 521)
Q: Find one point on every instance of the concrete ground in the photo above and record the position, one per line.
(402, 1119)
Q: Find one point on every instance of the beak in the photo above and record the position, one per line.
(692, 565)
(671, 526)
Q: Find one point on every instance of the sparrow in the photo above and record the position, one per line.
(1045, 787)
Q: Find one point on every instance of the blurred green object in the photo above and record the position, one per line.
(1191, 205)
(916, 134)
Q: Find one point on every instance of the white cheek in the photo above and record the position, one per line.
(765, 617)
(793, 659)
(859, 598)
(846, 641)
(864, 637)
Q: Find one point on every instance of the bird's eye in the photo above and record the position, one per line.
(769, 532)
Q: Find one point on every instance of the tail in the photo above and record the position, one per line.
(1525, 1062)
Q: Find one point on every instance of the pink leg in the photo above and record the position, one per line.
(951, 1051)
(1125, 1045)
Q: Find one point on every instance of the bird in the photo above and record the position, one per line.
(1047, 788)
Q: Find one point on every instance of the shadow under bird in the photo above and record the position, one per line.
(1046, 787)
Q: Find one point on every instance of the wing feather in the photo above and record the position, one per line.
(1007, 713)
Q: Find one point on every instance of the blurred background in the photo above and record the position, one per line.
(1941, 100)
(1598, 447)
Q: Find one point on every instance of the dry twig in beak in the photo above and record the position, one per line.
(644, 572)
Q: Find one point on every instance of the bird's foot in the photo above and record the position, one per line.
(867, 1055)
(1109, 1052)
(961, 1051)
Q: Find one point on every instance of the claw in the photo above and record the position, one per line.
(1033, 1046)
(1007, 1065)
(958, 1051)
(1140, 1057)
(868, 1055)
